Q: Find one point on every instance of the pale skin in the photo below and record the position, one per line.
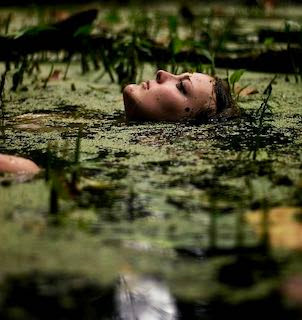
(17, 165)
(170, 97)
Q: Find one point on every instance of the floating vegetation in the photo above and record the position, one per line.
(207, 213)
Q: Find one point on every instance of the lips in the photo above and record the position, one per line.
(146, 85)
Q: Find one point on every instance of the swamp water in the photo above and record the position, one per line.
(150, 220)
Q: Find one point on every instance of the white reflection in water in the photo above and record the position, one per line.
(144, 298)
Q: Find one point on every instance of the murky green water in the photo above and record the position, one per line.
(165, 219)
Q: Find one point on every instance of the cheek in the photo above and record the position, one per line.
(150, 100)
(169, 101)
(155, 101)
(130, 95)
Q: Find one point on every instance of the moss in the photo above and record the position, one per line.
(141, 192)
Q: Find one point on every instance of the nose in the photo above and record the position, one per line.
(162, 76)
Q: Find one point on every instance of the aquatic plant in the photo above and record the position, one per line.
(19, 74)
(211, 57)
(213, 215)
(175, 44)
(49, 76)
(107, 63)
(7, 23)
(287, 28)
(56, 179)
(2, 86)
(239, 229)
(262, 116)
(67, 66)
(82, 36)
(54, 196)
(127, 59)
(76, 166)
(234, 78)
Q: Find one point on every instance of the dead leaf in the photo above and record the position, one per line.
(284, 228)
(245, 91)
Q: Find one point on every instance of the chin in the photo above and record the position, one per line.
(132, 109)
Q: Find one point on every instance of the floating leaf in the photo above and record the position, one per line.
(245, 91)
(235, 76)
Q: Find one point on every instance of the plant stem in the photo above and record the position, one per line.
(2, 85)
(75, 173)
(67, 68)
(49, 75)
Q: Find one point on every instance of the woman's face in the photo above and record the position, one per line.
(170, 97)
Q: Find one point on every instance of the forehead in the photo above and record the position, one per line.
(200, 78)
(202, 84)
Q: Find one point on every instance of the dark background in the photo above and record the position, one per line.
(56, 2)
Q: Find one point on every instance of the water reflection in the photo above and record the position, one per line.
(246, 288)
(54, 295)
(144, 298)
(42, 295)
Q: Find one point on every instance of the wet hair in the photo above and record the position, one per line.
(226, 107)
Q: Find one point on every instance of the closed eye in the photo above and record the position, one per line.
(180, 86)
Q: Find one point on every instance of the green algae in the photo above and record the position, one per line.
(147, 192)
(165, 175)
(149, 155)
